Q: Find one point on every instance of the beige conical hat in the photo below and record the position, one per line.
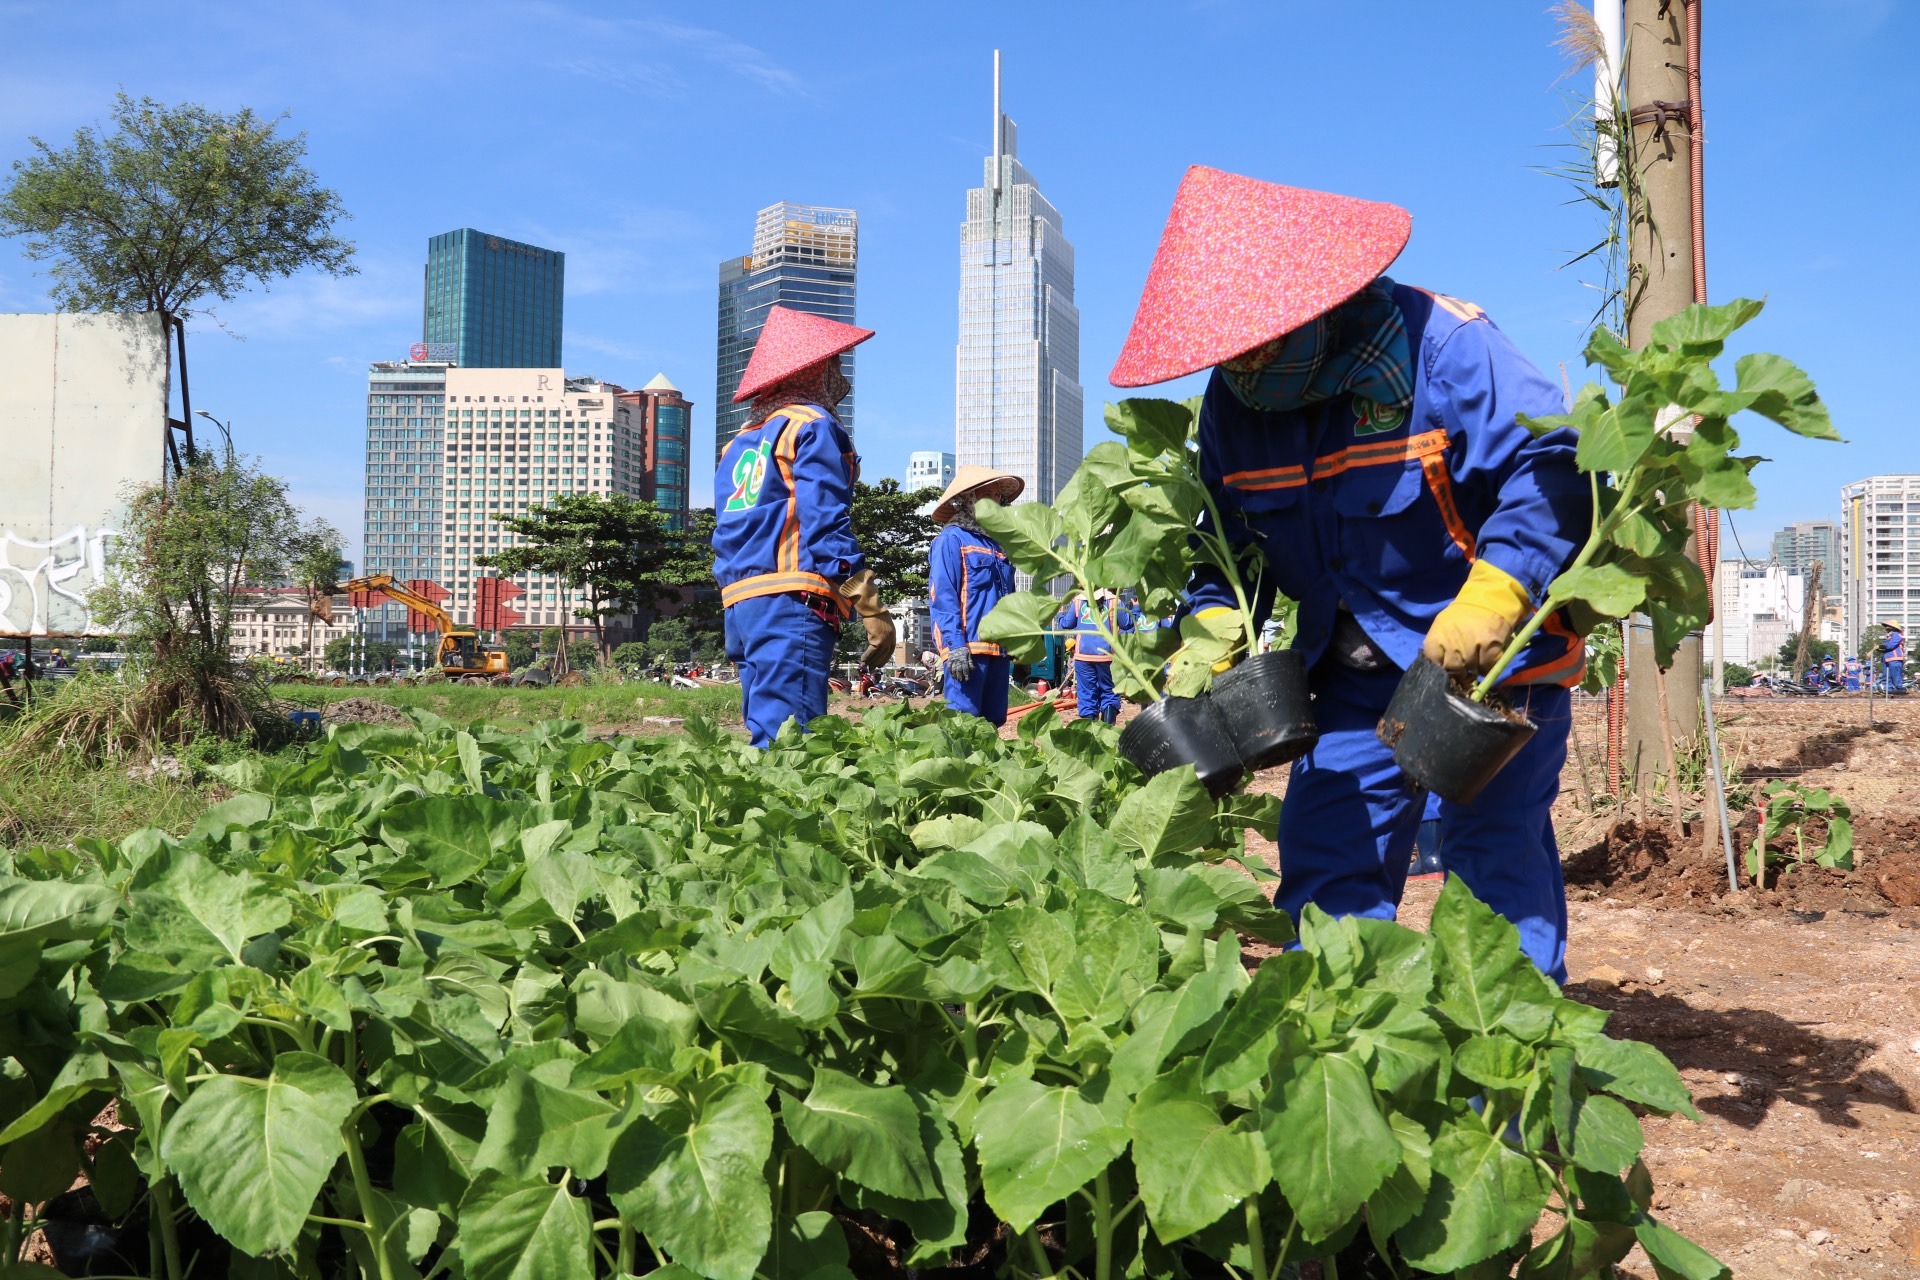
(998, 485)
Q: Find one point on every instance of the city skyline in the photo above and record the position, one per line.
(498, 303)
(1018, 404)
(689, 118)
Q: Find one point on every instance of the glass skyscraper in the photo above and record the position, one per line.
(1017, 401)
(804, 258)
(401, 522)
(493, 303)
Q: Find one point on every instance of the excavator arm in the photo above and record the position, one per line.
(398, 592)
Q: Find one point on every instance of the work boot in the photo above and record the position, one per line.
(1109, 714)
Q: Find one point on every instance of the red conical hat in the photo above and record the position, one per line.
(790, 341)
(1243, 261)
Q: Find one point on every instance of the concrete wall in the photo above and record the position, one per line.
(83, 410)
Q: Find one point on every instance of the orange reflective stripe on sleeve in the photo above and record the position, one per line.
(1459, 308)
(786, 448)
(1440, 485)
(1565, 670)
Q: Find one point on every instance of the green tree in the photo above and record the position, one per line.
(1817, 651)
(314, 566)
(894, 536)
(1738, 675)
(177, 207)
(618, 552)
(1870, 641)
(519, 646)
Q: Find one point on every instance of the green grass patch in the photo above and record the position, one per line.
(59, 800)
(598, 706)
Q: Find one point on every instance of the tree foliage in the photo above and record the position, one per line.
(176, 207)
(618, 552)
(894, 536)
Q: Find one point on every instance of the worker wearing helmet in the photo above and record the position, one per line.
(1363, 434)
(1893, 652)
(1094, 694)
(784, 554)
(967, 574)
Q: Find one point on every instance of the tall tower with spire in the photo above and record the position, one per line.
(1017, 396)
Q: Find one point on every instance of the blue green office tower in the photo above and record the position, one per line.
(493, 303)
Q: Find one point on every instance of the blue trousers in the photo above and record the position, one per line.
(1896, 677)
(1093, 687)
(1347, 827)
(984, 693)
(784, 649)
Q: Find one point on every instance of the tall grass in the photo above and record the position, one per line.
(57, 799)
(598, 706)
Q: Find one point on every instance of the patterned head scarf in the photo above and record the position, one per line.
(962, 508)
(1359, 347)
(822, 384)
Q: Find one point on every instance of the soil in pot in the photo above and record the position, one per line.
(1443, 740)
(1267, 709)
(1177, 731)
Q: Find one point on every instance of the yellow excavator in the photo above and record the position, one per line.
(462, 656)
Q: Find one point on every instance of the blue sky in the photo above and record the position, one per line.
(640, 138)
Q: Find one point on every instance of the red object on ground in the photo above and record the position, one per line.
(490, 611)
(416, 620)
(790, 342)
(1243, 261)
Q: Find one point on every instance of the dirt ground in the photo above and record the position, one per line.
(1793, 1012)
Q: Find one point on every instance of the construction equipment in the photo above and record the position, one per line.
(462, 656)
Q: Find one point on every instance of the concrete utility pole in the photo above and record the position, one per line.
(1660, 283)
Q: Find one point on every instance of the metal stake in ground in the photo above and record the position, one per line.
(1719, 785)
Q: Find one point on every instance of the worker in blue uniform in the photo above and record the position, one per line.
(1093, 691)
(789, 568)
(1893, 653)
(967, 574)
(1363, 434)
(1850, 673)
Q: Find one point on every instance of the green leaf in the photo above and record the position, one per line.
(641, 1052)
(869, 1134)
(1607, 587)
(1192, 1167)
(1606, 350)
(1617, 438)
(1495, 1061)
(1331, 1148)
(1635, 1071)
(805, 1245)
(1580, 1249)
(1705, 328)
(1171, 814)
(52, 910)
(1116, 956)
(251, 1154)
(1399, 1198)
(1039, 1145)
(696, 1184)
(452, 836)
(1026, 532)
(534, 1126)
(1675, 1257)
(1606, 1136)
(1486, 982)
(1237, 1054)
(1151, 426)
(1022, 621)
(1086, 505)
(524, 1229)
(469, 751)
(41, 1165)
(1485, 1195)
(1785, 395)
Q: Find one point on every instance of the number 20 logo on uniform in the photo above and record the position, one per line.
(749, 476)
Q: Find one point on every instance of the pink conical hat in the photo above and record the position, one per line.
(1243, 261)
(790, 341)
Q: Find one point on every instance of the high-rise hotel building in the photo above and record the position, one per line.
(1018, 401)
(1879, 571)
(804, 258)
(493, 303)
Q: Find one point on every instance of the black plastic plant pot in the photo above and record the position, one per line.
(1266, 709)
(1446, 742)
(1177, 731)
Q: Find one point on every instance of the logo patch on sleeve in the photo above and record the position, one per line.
(1371, 418)
(749, 477)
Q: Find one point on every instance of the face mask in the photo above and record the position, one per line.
(1358, 348)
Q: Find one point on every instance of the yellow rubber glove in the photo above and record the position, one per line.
(1470, 633)
(861, 589)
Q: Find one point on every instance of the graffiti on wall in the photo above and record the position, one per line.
(45, 587)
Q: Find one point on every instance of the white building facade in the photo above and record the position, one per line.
(1018, 404)
(273, 622)
(1879, 570)
(929, 469)
(400, 519)
(515, 438)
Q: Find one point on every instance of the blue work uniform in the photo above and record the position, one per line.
(1379, 512)
(782, 543)
(1893, 652)
(1850, 674)
(1093, 690)
(967, 574)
